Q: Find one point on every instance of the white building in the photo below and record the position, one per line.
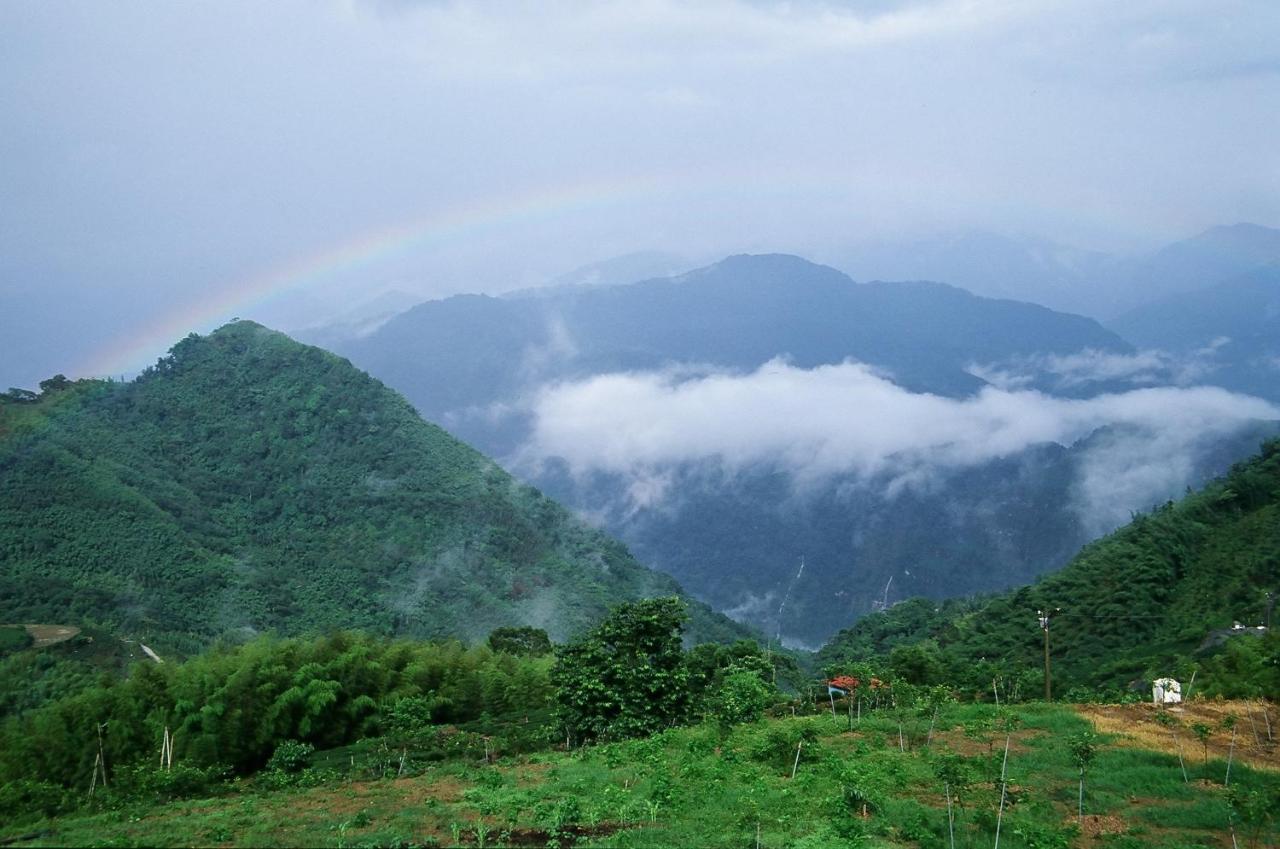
(1166, 691)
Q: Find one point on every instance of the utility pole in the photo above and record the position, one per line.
(1045, 615)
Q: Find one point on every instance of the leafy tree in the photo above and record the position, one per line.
(520, 641)
(956, 774)
(709, 663)
(627, 677)
(291, 756)
(741, 697)
(57, 383)
(1257, 811)
(917, 663)
(13, 638)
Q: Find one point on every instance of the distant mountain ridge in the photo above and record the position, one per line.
(1061, 277)
(616, 271)
(250, 483)
(455, 357)
(1229, 332)
(1211, 258)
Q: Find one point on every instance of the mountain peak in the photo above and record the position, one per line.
(1242, 243)
(768, 268)
(250, 482)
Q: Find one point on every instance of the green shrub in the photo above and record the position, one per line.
(777, 746)
(26, 800)
(742, 697)
(291, 756)
(149, 784)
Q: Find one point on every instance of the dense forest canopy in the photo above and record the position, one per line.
(248, 483)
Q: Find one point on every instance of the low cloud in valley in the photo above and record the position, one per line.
(849, 419)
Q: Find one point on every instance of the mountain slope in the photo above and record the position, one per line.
(1231, 331)
(1143, 601)
(1212, 257)
(249, 482)
(736, 538)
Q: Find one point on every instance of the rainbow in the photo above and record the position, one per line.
(140, 348)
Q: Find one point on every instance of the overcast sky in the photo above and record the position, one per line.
(156, 159)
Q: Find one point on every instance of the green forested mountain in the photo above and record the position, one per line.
(1152, 598)
(248, 482)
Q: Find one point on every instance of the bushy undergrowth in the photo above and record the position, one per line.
(711, 786)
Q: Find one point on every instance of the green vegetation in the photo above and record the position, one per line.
(13, 638)
(358, 740)
(247, 483)
(626, 678)
(36, 675)
(699, 785)
(1154, 598)
(231, 710)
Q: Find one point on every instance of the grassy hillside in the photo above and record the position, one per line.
(249, 483)
(353, 740)
(1149, 599)
(859, 786)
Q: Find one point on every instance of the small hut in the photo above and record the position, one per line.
(1166, 691)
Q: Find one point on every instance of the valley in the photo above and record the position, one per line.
(732, 421)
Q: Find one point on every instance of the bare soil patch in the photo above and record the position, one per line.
(1136, 725)
(48, 635)
(957, 741)
(1094, 825)
(567, 835)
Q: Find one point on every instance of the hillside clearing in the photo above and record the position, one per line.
(47, 635)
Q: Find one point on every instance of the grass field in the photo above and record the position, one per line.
(884, 783)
